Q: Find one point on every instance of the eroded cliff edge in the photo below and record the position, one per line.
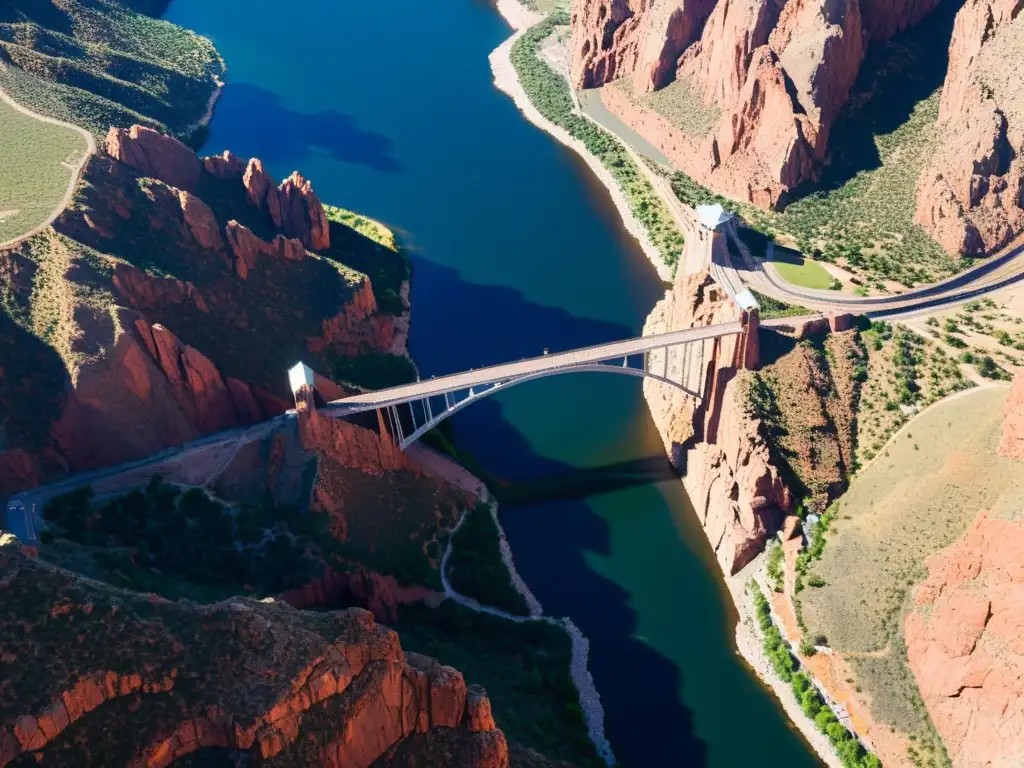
(82, 660)
(761, 81)
(971, 199)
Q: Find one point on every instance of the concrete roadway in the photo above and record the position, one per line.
(554, 362)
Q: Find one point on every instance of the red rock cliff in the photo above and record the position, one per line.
(727, 469)
(776, 71)
(965, 644)
(972, 197)
(148, 392)
(82, 661)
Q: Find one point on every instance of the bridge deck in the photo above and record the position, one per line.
(534, 365)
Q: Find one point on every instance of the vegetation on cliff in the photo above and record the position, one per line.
(811, 437)
(524, 666)
(184, 543)
(861, 213)
(97, 63)
(550, 94)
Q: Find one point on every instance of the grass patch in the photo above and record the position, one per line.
(524, 667)
(773, 308)
(475, 568)
(364, 225)
(803, 272)
(97, 63)
(550, 94)
(34, 172)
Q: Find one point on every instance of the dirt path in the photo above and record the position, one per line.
(76, 168)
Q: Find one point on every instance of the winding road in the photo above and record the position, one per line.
(75, 167)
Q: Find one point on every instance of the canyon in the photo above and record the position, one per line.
(760, 84)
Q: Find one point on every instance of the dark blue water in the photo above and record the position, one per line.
(390, 109)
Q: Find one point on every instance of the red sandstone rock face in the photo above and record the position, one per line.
(293, 205)
(224, 166)
(201, 222)
(144, 291)
(170, 678)
(151, 153)
(348, 444)
(1012, 444)
(972, 198)
(248, 248)
(779, 72)
(148, 392)
(965, 644)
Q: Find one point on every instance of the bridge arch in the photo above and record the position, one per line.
(475, 394)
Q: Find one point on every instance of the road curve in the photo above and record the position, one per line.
(992, 274)
(76, 170)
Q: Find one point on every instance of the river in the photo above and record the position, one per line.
(389, 107)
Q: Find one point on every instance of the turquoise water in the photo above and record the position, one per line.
(390, 109)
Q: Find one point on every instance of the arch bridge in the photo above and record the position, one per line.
(409, 411)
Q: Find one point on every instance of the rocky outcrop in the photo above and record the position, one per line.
(971, 199)
(148, 392)
(224, 166)
(1012, 443)
(778, 74)
(143, 291)
(357, 327)
(965, 644)
(248, 248)
(200, 221)
(727, 467)
(154, 154)
(82, 661)
(293, 205)
(350, 445)
(378, 593)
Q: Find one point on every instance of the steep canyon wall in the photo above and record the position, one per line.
(776, 73)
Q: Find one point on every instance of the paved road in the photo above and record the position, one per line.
(990, 275)
(615, 350)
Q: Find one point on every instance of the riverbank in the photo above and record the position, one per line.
(507, 81)
(589, 698)
(747, 641)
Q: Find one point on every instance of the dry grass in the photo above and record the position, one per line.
(35, 169)
(915, 499)
(905, 373)
(679, 102)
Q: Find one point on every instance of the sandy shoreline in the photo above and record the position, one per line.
(506, 80)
